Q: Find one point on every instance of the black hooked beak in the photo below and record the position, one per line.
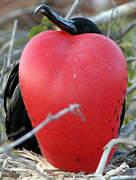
(64, 24)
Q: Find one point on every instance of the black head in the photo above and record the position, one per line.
(73, 26)
(84, 25)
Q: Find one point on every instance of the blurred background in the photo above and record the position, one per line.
(18, 24)
(86, 6)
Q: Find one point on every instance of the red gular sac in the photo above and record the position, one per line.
(75, 65)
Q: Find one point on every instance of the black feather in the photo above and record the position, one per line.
(17, 121)
(11, 85)
(122, 116)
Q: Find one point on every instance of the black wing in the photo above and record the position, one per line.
(17, 121)
(122, 113)
(11, 85)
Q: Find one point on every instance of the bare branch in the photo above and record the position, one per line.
(129, 59)
(122, 168)
(7, 69)
(123, 10)
(104, 157)
(133, 98)
(10, 50)
(107, 150)
(123, 177)
(49, 118)
(27, 163)
(131, 89)
(126, 30)
(4, 47)
(71, 11)
(3, 69)
(12, 42)
(128, 129)
(15, 14)
(110, 22)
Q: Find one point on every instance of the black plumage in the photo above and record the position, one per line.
(122, 116)
(17, 121)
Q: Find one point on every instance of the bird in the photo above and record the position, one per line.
(17, 120)
(19, 117)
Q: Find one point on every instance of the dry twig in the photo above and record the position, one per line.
(15, 14)
(122, 168)
(131, 89)
(107, 150)
(10, 52)
(126, 30)
(12, 42)
(128, 129)
(3, 68)
(72, 9)
(49, 118)
(123, 10)
(110, 22)
(27, 163)
(123, 178)
(129, 59)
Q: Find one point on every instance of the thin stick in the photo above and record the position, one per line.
(123, 10)
(71, 11)
(10, 51)
(133, 98)
(126, 30)
(110, 22)
(129, 59)
(121, 169)
(7, 69)
(28, 164)
(104, 157)
(107, 150)
(126, 177)
(12, 41)
(131, 89)
(15, 14)
(3, 69)
(49, 118)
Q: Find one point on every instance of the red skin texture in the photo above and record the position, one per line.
(57, 69)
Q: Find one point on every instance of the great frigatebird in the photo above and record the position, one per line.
(17, 121)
